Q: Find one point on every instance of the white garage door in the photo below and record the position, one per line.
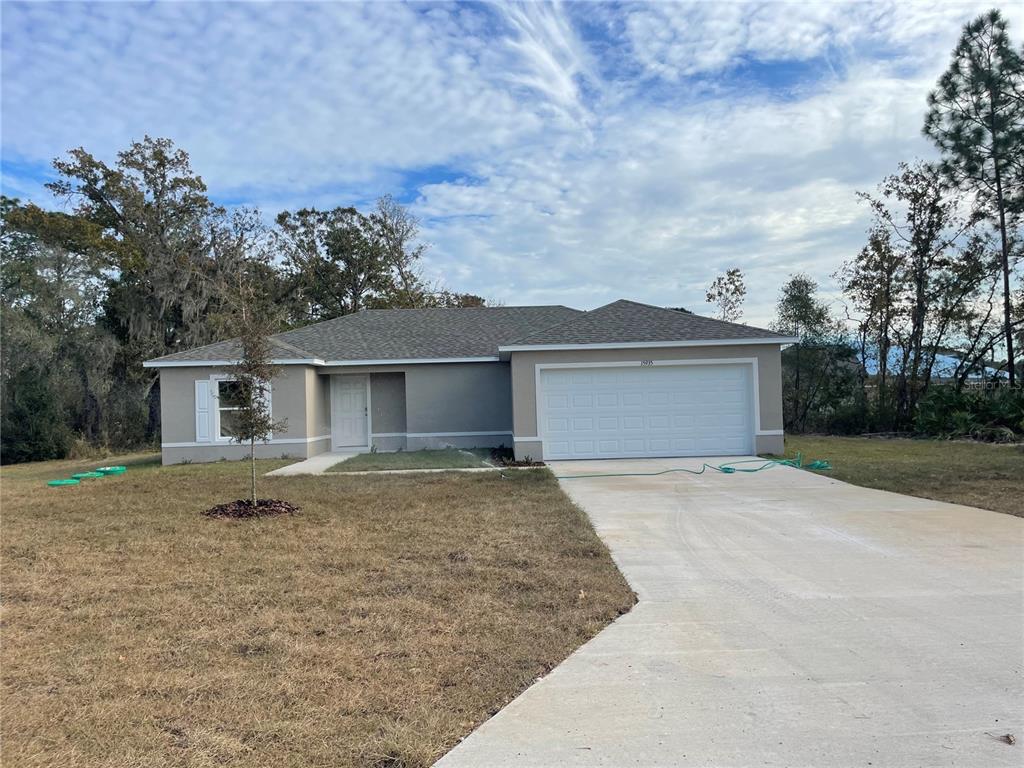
(657, 410)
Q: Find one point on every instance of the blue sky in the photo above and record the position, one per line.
(571, 153)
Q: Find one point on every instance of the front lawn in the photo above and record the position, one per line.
(446, 458)
(375, 628)
(977, 474)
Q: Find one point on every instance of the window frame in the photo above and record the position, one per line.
(216, 408)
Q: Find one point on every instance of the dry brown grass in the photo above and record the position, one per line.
(375, 628)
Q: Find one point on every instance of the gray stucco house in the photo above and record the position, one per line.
(623, 380)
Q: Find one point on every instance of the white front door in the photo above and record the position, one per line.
(656, 410)
(348, 411)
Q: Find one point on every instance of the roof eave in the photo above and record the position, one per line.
(780, 340)
(320, 363)
(161, 363)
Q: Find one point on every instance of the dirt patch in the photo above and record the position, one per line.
(505, 457)
(243, 508)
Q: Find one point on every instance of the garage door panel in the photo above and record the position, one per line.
(557, 447)
(684, 444)
(657, 398)
(554, 400)
(556, 425)
(659, 421)
(647, 411)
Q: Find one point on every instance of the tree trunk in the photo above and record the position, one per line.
(252, 464)
(1000, 203)
(153, 416)
(1007, 321)
(796, 392)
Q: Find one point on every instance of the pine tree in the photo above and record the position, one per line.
(976, 118)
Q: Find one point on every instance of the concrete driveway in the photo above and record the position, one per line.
(784, 619)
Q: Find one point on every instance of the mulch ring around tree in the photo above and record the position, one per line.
(243, 508)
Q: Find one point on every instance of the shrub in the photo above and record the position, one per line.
(997, 415)
(33, 422)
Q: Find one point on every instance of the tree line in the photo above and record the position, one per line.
(936, 291)
(140, 263)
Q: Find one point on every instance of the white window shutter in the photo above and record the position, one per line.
(267, 391)
(202, 410)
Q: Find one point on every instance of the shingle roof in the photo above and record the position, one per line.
(438, 334)
(399, 334)
(229, 350)
(626, 322)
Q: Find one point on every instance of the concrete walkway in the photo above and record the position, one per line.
(316, 465)
(785, 619)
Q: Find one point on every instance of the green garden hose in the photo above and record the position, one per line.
(727, 468)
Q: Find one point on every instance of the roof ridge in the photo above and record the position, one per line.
(580, 313)
(292, 347)
(451, 309)
(700, 326)
(196, 349)
(693, 314)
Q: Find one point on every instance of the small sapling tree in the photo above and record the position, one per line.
(253, 320)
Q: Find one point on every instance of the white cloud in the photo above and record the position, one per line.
(274, 95)
(588, 151)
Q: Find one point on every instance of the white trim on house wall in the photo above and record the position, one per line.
(215, 380)
(414, 361)
(441, 434)
(208, 363)
(751, 361)
(649, 344)
(281, 441)
(320, 363)
(214, 408)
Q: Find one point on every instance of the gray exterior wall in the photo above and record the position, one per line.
(318, 412)
(466, 405)
(432, 405)
(524, 384)
(387, 411)
(292, 390)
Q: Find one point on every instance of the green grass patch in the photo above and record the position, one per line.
(447, 458)
(976, 474)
